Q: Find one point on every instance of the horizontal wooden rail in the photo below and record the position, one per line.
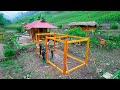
(74, 41)
(75, 68)
(74, 58)
(55, 66)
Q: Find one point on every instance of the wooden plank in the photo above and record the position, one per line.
(74, 41)
(55, 66)
(65, 57)
(70, 56)
(75, 68)
(75, 36)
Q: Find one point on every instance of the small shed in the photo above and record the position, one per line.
(85, 26)
(39, 26)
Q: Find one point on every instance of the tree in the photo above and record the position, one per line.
(43, 18)
(31, 20)
(3, 20)
(39, 17)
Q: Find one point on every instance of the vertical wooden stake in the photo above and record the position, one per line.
(65, 56)
(54, 41)
(46, 40)
(36, 44)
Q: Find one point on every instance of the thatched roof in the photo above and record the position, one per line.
(66, 26)
(90, 23)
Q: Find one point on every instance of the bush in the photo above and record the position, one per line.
(9, 52)
(94, 41)
(76, 32)
(19, 29)
(114, 25)
(60, 26)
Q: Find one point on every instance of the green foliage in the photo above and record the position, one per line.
(7, 63)
(3, 20)
(64, 17)
(19, 29)
(94, 41)
(39, 17)
(114, 25)
(60, 25)
(76, 32)
(31, 20)
(9, 52)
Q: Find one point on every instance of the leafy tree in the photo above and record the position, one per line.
(39, 17)
(3, 20)
(31, 20)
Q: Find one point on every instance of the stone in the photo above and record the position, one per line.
(107, 75)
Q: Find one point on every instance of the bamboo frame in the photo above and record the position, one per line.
(64, 71)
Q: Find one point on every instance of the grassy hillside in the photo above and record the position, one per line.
(74, 16)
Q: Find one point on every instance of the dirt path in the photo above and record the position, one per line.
(1, 50)
(24, 39)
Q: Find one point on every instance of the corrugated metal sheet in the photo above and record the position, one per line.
(39, 24)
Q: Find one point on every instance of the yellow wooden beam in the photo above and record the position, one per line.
(74, 41)
(75, 36)
(74, 58)
(45, 33)
(46, 38)
(75, 68)
(55, 66)
(54, 41)
(61, 37)
(65, 56)
(52, 38)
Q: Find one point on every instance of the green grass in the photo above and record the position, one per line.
(11, 27)
(75, 16)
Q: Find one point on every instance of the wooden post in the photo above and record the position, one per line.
(65, 56)
(36, 44)
(38, 33)
(54, 41)
(87, 51)
(46, 40)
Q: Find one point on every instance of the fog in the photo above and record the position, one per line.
(11, 14)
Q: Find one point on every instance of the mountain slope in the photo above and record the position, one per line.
(64, 17)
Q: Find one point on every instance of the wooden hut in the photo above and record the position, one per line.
(85, 26)
(38, 26)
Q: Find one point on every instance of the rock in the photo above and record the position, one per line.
(107, 64)
(107, 75)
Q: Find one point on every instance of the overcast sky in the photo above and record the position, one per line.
(11, 14)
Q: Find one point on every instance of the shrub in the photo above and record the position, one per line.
(94, 41)
(109, 45)
(19, 29)
(60, 26)
(114, 25)
(76, 32)
(9, 52)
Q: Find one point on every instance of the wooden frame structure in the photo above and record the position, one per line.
(57, 37)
